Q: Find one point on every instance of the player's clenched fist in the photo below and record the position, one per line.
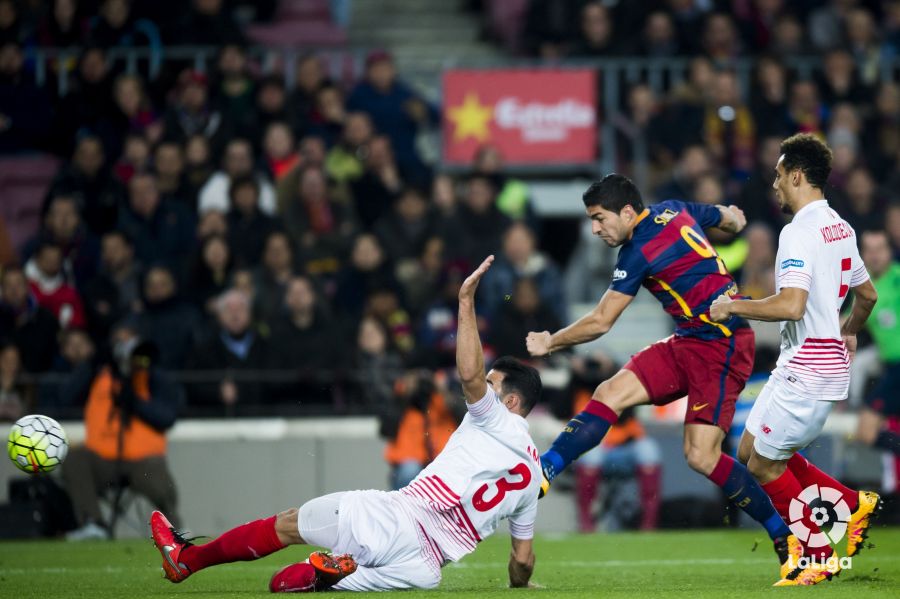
(720, 309)
(538, 344)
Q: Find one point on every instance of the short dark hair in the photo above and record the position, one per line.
(243, 181)
(809, 154)
(519, 378)
(613, 192)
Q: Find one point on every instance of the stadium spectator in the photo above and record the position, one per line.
(881, 140)
(768, 98)
(167, 321)
(16, 397)
(525, 311)
(729, 131)
(384, 304)
(25, 111)
(272, 106)
(882, 403)
(513, 197)
(757, 274)
(280, 150)
(10, 25)
(87, 104)
(116, 26)
(864, 207)
(377, 366)
(840, 81)
(211, 273)
(403, 231)
(595, 38)
(272, 276)
(420, 278)
(757, 198)
(238, 162)
(190, 113)
(481, 224)
(248, 227)
(806, 112)
(76, 350)
(375, 190)
(345, 160)
(693, 163)
(330, 114)
(162, 231)
(230, 358)
(49, 287)
(64, 227)
(436, 334)
(396, 110)
(862, 41)
(134, 157)
(134, 112)
(549, 26)
(521, 259)
(234, 91)
(62, 26)
(131, 403)
(658, 38)
(320, 224)
(367, 270)
(307, 342)
(720, 40)
(86, 178)
(116, 289)
(208, 23)
(170, 169)
(198, 166)
(309, 77)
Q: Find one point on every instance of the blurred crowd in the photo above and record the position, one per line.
(291, 245)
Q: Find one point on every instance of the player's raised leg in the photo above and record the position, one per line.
(587, 428)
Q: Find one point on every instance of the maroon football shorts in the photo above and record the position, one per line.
(712, 373)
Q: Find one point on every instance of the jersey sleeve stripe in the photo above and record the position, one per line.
(521, 531)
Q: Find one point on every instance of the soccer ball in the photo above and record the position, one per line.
(37, 444)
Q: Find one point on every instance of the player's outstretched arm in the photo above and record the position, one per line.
(787, 304)
(595, 323)
(733, 219)
(469, 355)
(864, 299)
(521, 562)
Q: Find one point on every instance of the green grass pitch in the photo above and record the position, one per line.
(691, 564)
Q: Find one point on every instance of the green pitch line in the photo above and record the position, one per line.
(684, 564)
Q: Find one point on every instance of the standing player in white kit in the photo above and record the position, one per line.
(489, 470)
(817, 264)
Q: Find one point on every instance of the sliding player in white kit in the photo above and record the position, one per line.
(488, 471)
(817, 264)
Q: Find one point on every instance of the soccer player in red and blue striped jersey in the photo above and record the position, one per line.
(663, 247)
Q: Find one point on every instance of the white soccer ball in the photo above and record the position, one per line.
(37, 444)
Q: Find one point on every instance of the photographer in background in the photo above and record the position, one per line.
(418, 423)
(130, 405)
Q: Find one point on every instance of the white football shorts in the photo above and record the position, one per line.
(784, 423)
(377, 532)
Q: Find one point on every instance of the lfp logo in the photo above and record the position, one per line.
(827, 509)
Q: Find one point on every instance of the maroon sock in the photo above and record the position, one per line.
(296, 578)
(649, 479)
(587, 479)
(807, 474)
(781, 491)
(249, 541)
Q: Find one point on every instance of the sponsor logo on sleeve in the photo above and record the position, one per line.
(619, 274)
(792, 262)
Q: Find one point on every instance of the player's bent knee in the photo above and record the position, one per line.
(700, 459)
(286, 526)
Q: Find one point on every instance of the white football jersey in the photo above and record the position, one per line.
(489, 470)
(817, 252)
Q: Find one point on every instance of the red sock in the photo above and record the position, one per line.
(296, 578)
(249, 541)
(649, 479)
(781, 491)
(807, 473)
(586, 483)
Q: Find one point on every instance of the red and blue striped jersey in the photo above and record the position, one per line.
(670, 255)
